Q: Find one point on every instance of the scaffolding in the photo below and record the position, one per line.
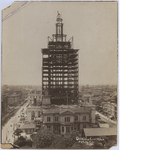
(60, 68)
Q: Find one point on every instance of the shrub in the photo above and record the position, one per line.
(21, 141)
(29, 143)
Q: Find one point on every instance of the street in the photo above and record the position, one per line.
(9, 128)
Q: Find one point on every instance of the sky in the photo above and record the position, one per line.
(24, 33)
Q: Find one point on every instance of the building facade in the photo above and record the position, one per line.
(33, 112)
(60, 68)
(62, 120)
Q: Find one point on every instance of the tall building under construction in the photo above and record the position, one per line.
(59, 69)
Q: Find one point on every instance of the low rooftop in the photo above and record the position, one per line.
(61, 110)
(103, 125)
(27, 126)
(95, 132)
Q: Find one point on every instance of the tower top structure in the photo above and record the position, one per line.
(59, 17)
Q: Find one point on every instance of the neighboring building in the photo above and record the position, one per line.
(63, 119)
(95, 100)
(33, 112)
(99, 132)
(46, 99)
(14, 99)
(60, 68)
(110, 109)
(66, 120)
(28, 128)
(35, 96)
(87, 98)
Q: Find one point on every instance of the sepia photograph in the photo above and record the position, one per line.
(59, 80)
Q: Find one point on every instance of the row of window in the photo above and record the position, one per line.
(67, 119)
(56, 128)
(68, 129)
(29, 130)
(49, 119)
(35, 96)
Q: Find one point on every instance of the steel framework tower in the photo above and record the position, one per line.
(60, 68)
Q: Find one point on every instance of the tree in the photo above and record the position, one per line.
(64, 142)
(100, 144)
(97, 145)
(43, 139)
(18, 132)
(21, 141)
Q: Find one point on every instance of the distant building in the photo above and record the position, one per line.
(94, 101)
(14, 99)
(4, 103)
(20, 95)
(24, 95)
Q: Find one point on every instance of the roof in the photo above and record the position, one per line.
(103, 125)
(62, 110)
(38, 119)
(114, 104)
(48, 111)
(100, 132)
(66, 111)
(27, 126)
(94, 126)
(87, 95)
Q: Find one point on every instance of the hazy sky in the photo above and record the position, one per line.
(92, 24)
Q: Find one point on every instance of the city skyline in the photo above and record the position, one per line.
(94, 31)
